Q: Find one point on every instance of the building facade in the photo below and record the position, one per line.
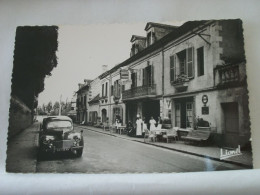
(82, 102)
(182, 74)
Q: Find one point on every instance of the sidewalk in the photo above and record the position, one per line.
(21, 156)
(211, 152)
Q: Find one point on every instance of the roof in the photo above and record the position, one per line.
(134, 37)
(165, 26)
(95, 99)
(178, 32)
(82, 88)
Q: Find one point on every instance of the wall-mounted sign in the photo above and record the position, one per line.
(124, 74)
(205, 99)
(205, 110)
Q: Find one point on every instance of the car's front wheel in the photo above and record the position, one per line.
(79, 152)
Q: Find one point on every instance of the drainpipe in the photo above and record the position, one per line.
(162, 81)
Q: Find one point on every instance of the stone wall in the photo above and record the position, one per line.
(20, 117)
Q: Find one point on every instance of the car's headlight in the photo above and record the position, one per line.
(48, 139)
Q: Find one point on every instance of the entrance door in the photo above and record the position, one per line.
(104, 116)
(231, 117)
(184, 113)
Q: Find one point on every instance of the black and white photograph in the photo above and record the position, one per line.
(151, 97)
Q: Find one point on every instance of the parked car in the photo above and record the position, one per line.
(57, 134)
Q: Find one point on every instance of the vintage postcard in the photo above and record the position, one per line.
(130, 98)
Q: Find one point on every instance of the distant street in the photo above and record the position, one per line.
(108, 154)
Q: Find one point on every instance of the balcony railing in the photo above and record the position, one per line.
(141, 91)
(229, 75)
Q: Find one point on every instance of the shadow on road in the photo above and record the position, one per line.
(55, 156)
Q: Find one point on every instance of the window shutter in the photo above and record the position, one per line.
(172, 68)
(119, 90)
(152, 74)
(136, 79)
(190, 64)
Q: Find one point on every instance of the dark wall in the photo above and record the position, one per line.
(233, 41)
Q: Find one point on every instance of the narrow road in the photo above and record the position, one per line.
(108, 154)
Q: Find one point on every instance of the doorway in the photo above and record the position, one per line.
(231, 123)
(184, 112)
(104, 115)
(151, 108)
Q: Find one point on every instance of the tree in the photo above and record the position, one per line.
(34, 58)
(49, 107)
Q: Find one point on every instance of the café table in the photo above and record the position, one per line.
(159, 133)
(121, 128)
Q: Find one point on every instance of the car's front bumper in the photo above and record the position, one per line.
(63, 145)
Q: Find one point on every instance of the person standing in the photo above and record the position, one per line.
(139, 123)
(152, 124)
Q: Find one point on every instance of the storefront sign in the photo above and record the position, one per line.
(124, 74)
(205, 110)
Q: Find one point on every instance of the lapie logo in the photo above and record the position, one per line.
(227, 153)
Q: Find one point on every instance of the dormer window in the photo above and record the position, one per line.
(138, 44)
(134, 49)
(150, 38)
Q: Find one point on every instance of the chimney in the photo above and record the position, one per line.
(80, 85)
(104, 68)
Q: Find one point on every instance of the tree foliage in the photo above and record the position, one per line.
(34, 58)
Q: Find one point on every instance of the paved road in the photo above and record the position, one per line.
(108, 154)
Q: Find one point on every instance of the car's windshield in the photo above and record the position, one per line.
(59, 124)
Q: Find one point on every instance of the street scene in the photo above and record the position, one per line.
(178, 103)
(108, 156)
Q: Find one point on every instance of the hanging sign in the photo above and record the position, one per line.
(124, 74)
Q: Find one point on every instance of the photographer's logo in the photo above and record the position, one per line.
(227, 153)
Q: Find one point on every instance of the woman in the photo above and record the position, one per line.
(152, 124)
(139, 123)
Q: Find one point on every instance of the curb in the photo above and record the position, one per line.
(173, 149)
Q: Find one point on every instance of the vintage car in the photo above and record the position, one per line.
(57, 134)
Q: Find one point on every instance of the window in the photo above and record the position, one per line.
(134, 80)
(106, 90)
(200, 61)
(102, 90)
(148, 75)
(189, 115)
(117, 91)
(112, 90)
(181, 64)
(150, 38)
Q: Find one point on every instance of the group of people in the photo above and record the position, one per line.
(141, 125)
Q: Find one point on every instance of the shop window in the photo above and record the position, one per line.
(177, 115)
(117, 114)
(200, 61)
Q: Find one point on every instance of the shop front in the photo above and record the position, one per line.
(146, 108)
